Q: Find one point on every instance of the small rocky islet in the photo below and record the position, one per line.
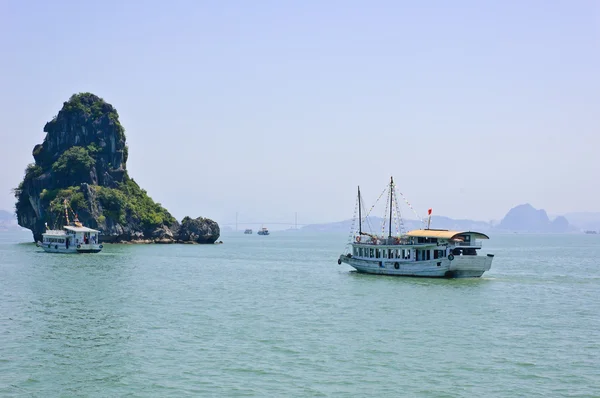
(83, 160)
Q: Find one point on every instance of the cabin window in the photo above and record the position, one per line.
(370, 252)
(356, 251)
(377, 253)
(391, 253)
(384, 253)
(428, 254)
(360, 251)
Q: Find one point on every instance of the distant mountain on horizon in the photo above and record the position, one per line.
(375, 225)
(521, 218)
(526, 218)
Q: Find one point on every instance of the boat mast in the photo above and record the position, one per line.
(359, 214)
(391, 191)
(66, 211)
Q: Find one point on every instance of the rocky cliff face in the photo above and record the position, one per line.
(199, 230)
(83, 161)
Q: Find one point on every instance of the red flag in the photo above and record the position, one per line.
(429, 211)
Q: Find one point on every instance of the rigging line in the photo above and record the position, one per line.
(368, 222)
(365, 218)
(377, 201)
(395, 216)
(384, 219)
(410, 206)
(353, 226)
(402, 230)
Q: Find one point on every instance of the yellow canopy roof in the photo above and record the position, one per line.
(443, 234)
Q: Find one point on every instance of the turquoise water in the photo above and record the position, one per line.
(277, 316)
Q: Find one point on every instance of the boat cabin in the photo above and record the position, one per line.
(71, 236)
(420, 245)
(82, 235)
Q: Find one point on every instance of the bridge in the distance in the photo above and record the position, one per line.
(238, 223)
(243, 225)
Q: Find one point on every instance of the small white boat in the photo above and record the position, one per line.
(73, 238)
(423, 252)
(263, 231)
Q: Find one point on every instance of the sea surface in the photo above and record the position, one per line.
(276, 316)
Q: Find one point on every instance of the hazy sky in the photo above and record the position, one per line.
(273, 107)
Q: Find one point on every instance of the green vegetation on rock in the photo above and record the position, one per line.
(129, 202)
(75, 164)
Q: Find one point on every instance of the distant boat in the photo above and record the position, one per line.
(248, 231)
(263, 231)
(591, 232)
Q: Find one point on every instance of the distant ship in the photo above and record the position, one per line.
(263, 231)
(591, 232)
(248, 231)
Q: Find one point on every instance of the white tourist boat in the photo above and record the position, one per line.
(73, 238)
(422, 252)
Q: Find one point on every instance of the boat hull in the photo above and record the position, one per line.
(50, 248)
(472, 267)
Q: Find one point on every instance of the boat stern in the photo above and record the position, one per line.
(471, 266)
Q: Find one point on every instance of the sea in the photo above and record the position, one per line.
(276, 316)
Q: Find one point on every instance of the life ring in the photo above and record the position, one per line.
(103, 246)
(339, 261)
(450, 256)
(358, 238)
(396, 265)
(79, 246)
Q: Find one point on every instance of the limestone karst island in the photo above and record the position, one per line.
(81, 168)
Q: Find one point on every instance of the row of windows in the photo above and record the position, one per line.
(403, 254)
(55, 240)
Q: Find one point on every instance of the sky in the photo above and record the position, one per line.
(271, 108)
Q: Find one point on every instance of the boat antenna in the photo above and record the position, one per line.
(359, 214)
(391, 193)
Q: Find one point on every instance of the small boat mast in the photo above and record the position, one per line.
(359, 214)
(391, 205)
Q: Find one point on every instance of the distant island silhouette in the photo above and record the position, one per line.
(522, 218)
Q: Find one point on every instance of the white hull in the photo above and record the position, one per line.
(460, 267)
(53, 248)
